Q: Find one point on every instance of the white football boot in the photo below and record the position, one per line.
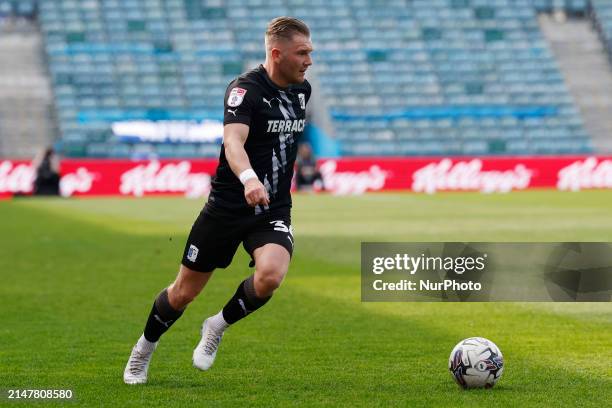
(138, 365)
(206, 350)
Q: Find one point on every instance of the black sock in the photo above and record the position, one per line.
(243, 302)
(162, 316)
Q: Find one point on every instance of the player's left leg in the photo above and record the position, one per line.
(167, 308)
(271, 266)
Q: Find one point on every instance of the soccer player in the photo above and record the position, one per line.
(250, 201)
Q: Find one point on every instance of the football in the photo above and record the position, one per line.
(476, 363)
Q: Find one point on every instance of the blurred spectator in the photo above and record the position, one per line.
(308, 175)
(47, 173)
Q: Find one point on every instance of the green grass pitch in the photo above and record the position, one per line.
(78, 278)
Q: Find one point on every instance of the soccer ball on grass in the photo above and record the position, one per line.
(476, 363)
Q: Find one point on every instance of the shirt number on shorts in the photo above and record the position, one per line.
(280, 226)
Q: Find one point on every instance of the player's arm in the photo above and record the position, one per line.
(234, 138)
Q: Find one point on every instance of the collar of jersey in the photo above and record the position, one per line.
(269, 80)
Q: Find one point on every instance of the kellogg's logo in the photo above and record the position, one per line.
(170, 178)
(16, 178)
(80, 181)
(349, 182)
(588, 173)
(463, 175)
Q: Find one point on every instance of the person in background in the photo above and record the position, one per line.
(308, 175)
(47, 173)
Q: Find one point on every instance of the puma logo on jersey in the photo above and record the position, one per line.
(233, 112)
(288, 125)
(269, 102)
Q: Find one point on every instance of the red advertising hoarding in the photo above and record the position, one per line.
(341, 176)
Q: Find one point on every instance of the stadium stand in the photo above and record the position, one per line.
(601, 13)
(398, 77)
(459, 77)
(12, 9)
(26, 103)
(582, 59)
(571, 7)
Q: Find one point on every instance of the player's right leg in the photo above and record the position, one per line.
(167, 309)
(270, 243)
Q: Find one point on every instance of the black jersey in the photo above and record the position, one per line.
(276, 120)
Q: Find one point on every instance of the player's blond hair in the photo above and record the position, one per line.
(285, 28)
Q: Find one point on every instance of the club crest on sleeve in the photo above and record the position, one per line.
(192, 254)
(302, 99)
(236, 97)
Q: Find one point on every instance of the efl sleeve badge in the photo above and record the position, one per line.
(236, 97)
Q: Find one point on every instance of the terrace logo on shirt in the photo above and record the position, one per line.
(288, 125)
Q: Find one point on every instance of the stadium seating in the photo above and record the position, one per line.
(15, 8)
(601, 13)
(571, 7)
(404, 77)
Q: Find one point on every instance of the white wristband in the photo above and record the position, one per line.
(247, 175)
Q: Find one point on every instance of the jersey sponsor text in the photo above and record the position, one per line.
(288, 125)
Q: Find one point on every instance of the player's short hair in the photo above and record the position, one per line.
(285, 28)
